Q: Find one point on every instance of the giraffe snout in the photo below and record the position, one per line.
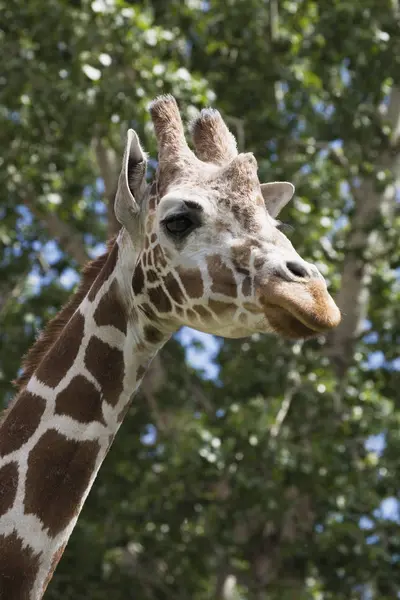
(296, 300)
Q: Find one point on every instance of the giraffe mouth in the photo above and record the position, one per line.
(300, 310)
(288, 325)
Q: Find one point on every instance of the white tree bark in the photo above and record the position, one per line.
(108, 165)
(363, 245)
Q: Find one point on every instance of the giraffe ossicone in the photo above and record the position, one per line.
(200, 247)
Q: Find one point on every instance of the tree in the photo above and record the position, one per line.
(267, 482)
(74, 80)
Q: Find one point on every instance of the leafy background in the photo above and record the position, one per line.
(262, 469)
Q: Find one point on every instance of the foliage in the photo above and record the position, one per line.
(275, 473)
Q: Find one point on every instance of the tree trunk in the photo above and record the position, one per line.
(362, 246)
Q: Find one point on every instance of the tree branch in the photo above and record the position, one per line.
(70, 241)
(285, 406)
(108, 165)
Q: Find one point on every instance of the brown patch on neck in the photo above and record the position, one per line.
(56, 364)
(21, 421)
(59, 472)
(81, 401)
(110, 310)
(8, 487)
(138, 279)
(54, 328)
(105, 273)
(19, 568)
(106, 364)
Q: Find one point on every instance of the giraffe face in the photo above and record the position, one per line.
(210, 254)
(222, 265)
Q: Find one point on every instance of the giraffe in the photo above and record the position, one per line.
(200, 246)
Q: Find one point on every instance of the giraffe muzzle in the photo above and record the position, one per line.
(299, 309)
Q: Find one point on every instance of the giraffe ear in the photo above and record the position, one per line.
(131, 183)
(276, 195)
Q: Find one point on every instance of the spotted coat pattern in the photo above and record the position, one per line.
(58, 430)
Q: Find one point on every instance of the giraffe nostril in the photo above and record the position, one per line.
(297, 269)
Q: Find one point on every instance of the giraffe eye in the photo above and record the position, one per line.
(179, 225)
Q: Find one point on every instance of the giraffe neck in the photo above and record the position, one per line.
(60, 427)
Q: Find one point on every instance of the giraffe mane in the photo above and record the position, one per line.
(52, 330)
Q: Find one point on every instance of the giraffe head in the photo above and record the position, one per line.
(209, 251)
